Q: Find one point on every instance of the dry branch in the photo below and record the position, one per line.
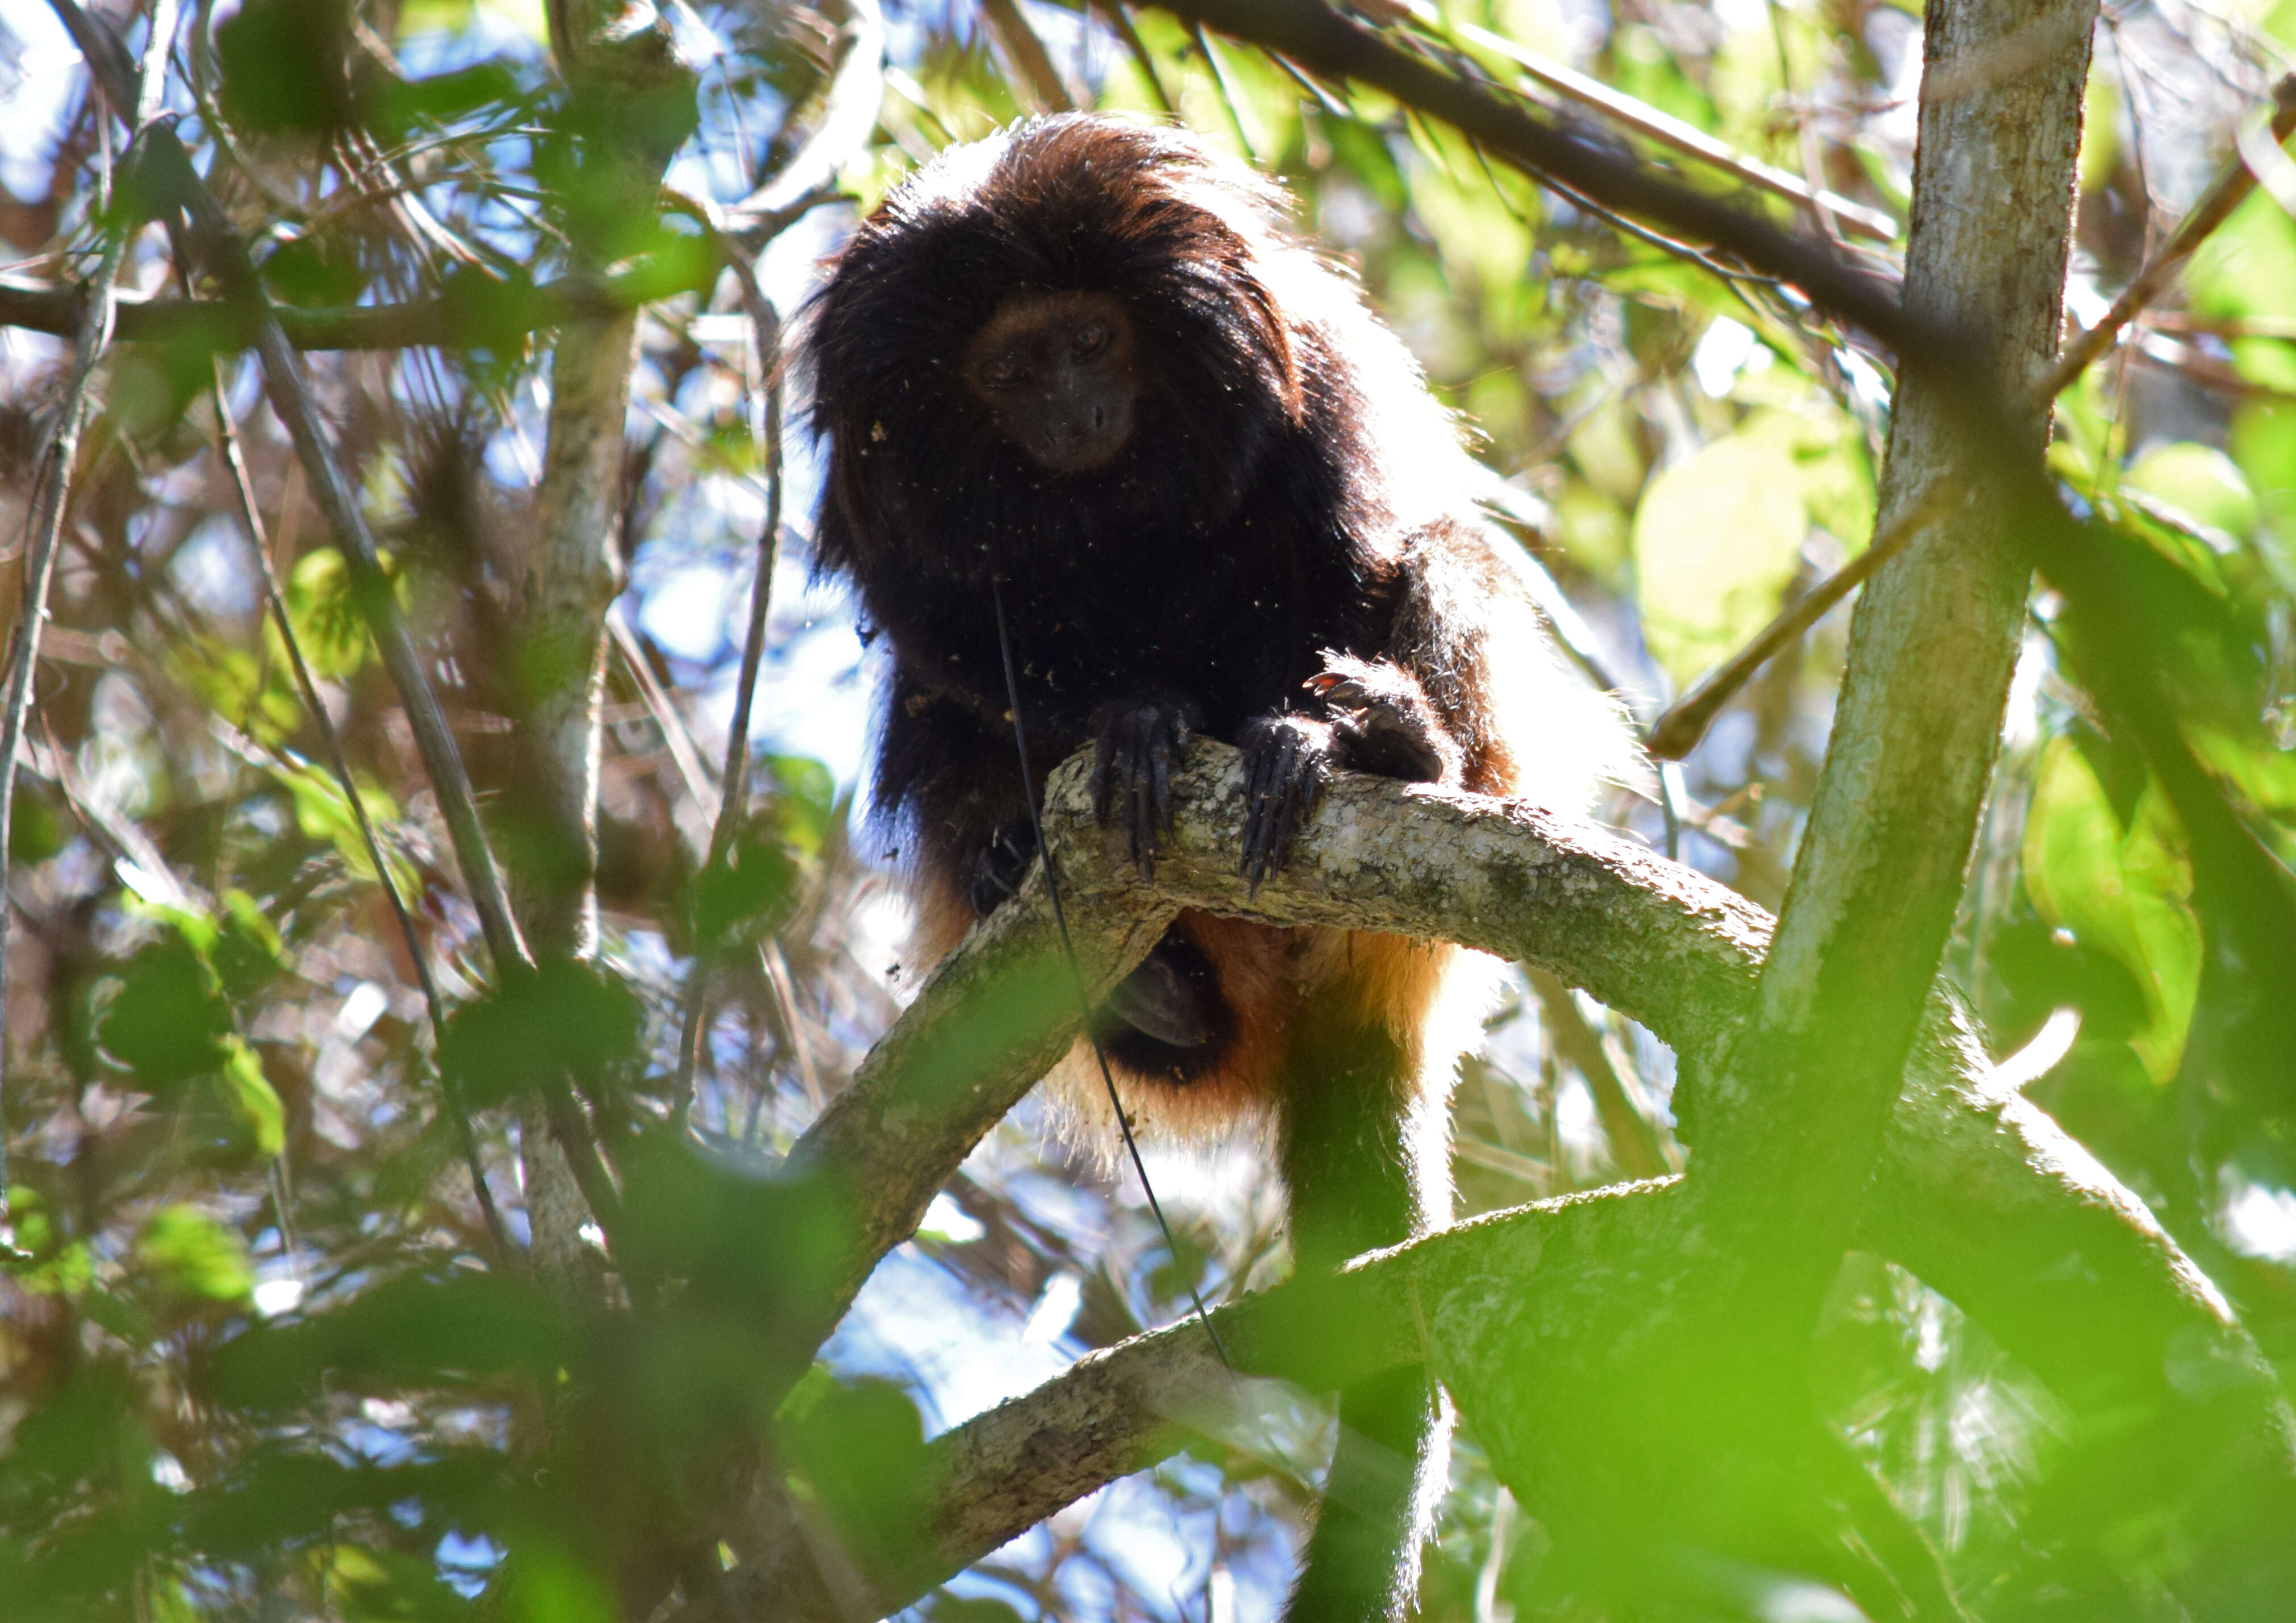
(2226, 193)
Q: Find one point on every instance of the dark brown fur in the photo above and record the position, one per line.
(1284, 553)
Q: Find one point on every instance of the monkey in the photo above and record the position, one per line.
(1087, 364)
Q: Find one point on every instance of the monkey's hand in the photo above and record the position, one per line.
(1133, 746)
(1285, 760)
(1382, 722)
(1003, 863)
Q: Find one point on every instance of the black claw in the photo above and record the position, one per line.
(1133, 748)
(1285, 764)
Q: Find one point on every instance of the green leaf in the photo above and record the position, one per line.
(365, 1583)
(193, 1253)
(254, 1100)
(807, 806)
(285, 66)
(743, 897)
(2198, 482)
(322, 270)
(564, 1019)
(2120, 887)
(322, 811)
(168, 1022)
(2248, 265)
(326, 617)
(413, 1330)
(1716, 540)
(861, 1449)
(247, 947)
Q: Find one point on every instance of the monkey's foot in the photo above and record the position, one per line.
(1285, 759)
(1383, 722)
(1173, 997)
(1003, 863)
(1133, 747)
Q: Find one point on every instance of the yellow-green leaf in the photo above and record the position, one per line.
(194, 1252)
(2121, 890)
(1715, 541)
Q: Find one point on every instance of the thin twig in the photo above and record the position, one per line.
(1635, 1144)
(1675, 733)
(1227, 92)
(1121, 21)
(290, 393)
(2230, 190)
(457, 1111)
(170, 166)
(1678, 733)
(732, 784)
(1647, 121)
(53, 497)
(851, 113)
(1028, 55)
(414, 323)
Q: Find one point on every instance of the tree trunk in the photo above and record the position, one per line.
(629, 108)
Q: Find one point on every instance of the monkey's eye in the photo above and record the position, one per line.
(1089, 339)
(1006, 371)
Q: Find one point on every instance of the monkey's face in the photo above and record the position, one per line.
(1057, 374)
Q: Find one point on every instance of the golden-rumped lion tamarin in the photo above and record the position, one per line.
(1086, 358)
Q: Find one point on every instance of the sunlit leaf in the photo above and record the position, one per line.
(2198, 481)
(2248, 265)
(256, 1103)
(2121, 884)
(1716, 540)
(191, 1251)
(326, 617)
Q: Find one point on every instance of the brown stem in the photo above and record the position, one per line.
(54, 498)
(275, 600)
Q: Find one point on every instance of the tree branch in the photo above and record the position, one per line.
(1978, 1191)
(2119, 652)
(630, 105)
(1799, 1110)
(1653, 125)
(471, 320)
(92, 338)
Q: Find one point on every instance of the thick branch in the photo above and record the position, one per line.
(2120, 651)
(989, 1022)
(1983, 1196)
(1122, 1409)
(631, 105)
(1799, 1113)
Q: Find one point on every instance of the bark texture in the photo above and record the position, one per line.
(1979, 1193)
(1933, 643)
(630, 107)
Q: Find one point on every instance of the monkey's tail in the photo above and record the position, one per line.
(1387, 1477)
